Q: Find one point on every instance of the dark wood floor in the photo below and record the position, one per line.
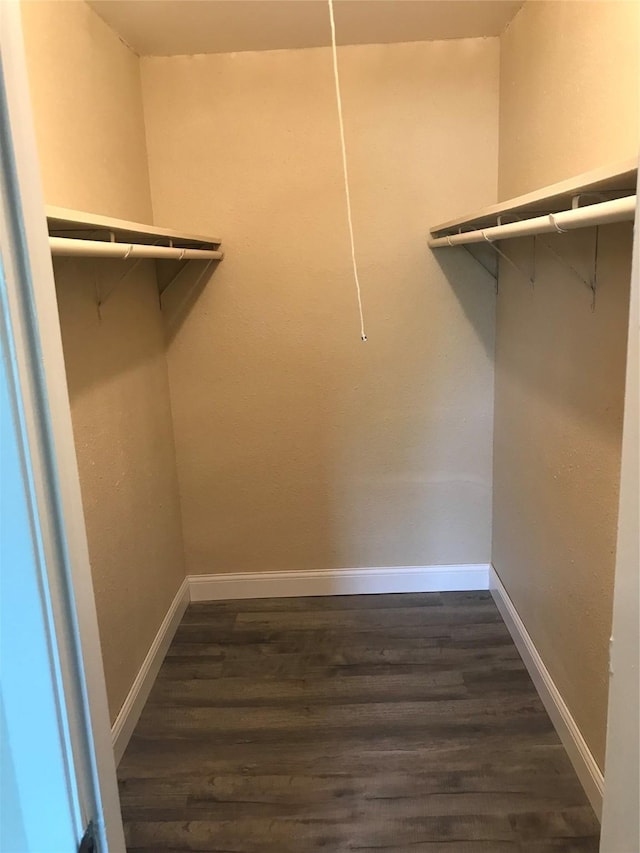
(363, 723)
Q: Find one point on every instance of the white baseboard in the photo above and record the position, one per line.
(216, 587)
(276, 585)
(583, 761)
(126, 720)
(339, 582)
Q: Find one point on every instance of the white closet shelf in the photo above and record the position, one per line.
(75, 233)
(602, 195)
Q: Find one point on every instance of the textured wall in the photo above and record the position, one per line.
(560, 365)
(297, 445)
(87, 104)
(569, 90)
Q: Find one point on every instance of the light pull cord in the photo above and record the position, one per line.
(345, 170)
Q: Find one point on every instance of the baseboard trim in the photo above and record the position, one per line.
(579, 754)
(126, 720)
(216, 587)
(367, 581)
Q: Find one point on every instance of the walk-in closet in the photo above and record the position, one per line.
(340, 292)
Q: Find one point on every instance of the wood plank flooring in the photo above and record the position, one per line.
(395, 723)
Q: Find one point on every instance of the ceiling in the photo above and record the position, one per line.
(172, 27)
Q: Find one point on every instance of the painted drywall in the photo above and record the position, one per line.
(569, 90)
(560, 365)
(558, 420)
(298, 446)
(87, 107)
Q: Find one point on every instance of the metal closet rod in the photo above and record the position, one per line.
(99, 249)
(618, 210)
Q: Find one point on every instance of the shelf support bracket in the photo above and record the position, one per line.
(482, 264)
(606, 195)
(591, 282)
(114, 287)
(176, 276)
(171, 281)
(530, 279)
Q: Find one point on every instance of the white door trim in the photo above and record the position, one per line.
(620, 821)
(40, 372)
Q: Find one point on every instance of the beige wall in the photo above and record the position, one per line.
(560, 365)
(87, 104)
(117, 376)
(87, 107)
(298, 446)
(569, 90)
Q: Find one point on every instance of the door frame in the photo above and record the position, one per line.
(41, 394)
(620, 820)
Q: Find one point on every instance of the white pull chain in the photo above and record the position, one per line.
(345, 170)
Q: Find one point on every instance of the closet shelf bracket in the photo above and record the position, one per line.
(102, 299)
(68, 247)
(116, 285)
(604, 195)
(596, 198)
(167, 287)
(175, 277)
(530, 279)
(590, 197)
(592, 282)
(618, 210)
(492, 272)
(96, 236)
